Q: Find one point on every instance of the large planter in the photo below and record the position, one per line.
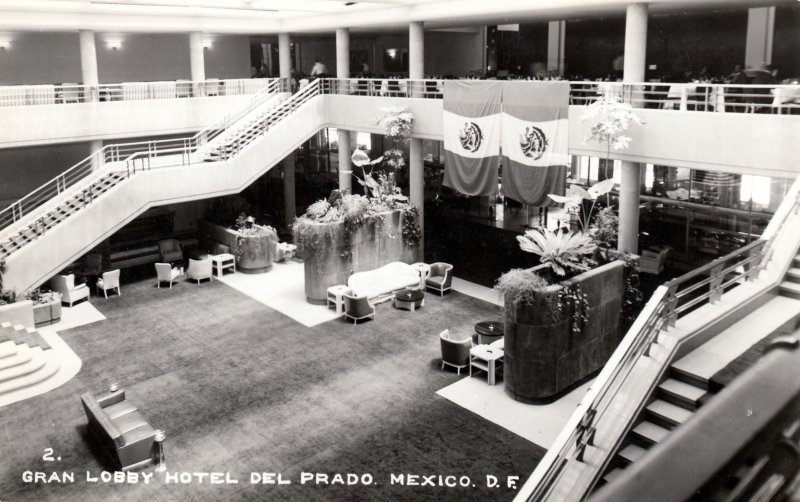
(371, 248)
(544, 356)
(254, 253)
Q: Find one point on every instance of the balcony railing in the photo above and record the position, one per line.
(50, 94)
(718, 98)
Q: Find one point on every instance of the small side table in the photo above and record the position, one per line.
(485, 358)
(223, 261)
(336, 296)
(489, 331)
(424, 271)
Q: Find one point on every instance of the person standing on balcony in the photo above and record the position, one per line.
(318, 70)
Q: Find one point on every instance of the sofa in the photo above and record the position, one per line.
(120, 430)
(383, 281)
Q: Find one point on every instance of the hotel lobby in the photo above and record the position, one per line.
(283, 250)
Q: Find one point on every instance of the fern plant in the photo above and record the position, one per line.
(560, 251)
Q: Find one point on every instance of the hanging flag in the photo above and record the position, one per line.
(535, 127)
(471, 126)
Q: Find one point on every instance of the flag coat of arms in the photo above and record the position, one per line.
(471, 125)
(535, 135)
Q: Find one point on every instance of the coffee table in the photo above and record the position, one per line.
(485, 358)
(223, 261)
(409, 299)
(489, 331)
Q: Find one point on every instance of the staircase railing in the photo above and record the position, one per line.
(114, 153)
(705, 285)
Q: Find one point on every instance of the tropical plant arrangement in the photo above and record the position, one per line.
(397, 123)
(574, 198)
(561, 251)
(312, 236)
(609, 117)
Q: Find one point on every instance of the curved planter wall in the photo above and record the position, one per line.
(371, 249)
(543, 356)
(256, 253)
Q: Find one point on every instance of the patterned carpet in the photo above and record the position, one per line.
(240, 388)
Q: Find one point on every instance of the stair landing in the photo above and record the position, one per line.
(714, 355)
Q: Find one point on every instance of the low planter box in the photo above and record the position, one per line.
(254, 253)
(544, 356)
(371, 248)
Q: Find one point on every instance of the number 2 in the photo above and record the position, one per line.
(48, 455)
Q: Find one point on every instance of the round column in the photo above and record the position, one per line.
(345, 163)
(416, 185)
(285, 59)
(416, 50)
(89, 63)
(633, 71)
(197, 61)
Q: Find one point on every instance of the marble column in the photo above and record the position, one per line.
(285, 60)
(416, 50)
(198, 63)
(89, 64)
(416, 185)
(289, 205)
(633, 71)
(760, 36)
(556, 38)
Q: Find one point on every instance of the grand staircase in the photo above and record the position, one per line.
(35, 239)
(689, 384)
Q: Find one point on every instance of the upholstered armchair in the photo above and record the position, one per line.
(455, 352)
(199, 270)
(166, 273)
(70, 293)
(170, 250)
(652, 262)
(109, 280)
(358, 307)
(440, 278)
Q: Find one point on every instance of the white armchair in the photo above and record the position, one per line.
(199, 270)
(109, 280)
(166, 273)
(70, 293)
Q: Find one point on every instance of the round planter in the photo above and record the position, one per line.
(370, 248)
(254, 253)
(544, 357)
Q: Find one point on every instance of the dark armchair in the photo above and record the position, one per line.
(441, 277)
(120, 430)
(455, 352)
(358, 307)
(170, 250)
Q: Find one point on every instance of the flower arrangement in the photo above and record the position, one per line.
(397, 122)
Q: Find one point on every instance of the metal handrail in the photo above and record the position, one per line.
(670, 301)
(50, 94)
(661, 312)
(116, 152)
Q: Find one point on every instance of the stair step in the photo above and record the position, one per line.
(681, 393)
(22, 356)
(7, 349)
(793, 275)
(796, 260)
(667, 414)
(49, 369)
(35, 364)
(632, 452)
(790, 289)
(649, 432)
(613, 474)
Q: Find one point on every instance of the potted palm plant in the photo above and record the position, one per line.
(561, 317)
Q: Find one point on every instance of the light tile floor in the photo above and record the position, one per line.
(69, 362)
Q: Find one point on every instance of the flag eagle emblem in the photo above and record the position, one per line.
(471, 137)
(533, 142)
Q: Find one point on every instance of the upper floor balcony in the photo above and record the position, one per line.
(719, 127)
(68, 112)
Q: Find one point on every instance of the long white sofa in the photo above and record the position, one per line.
(383, 280)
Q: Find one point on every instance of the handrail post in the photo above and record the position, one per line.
(671, 315)
(715, 286)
